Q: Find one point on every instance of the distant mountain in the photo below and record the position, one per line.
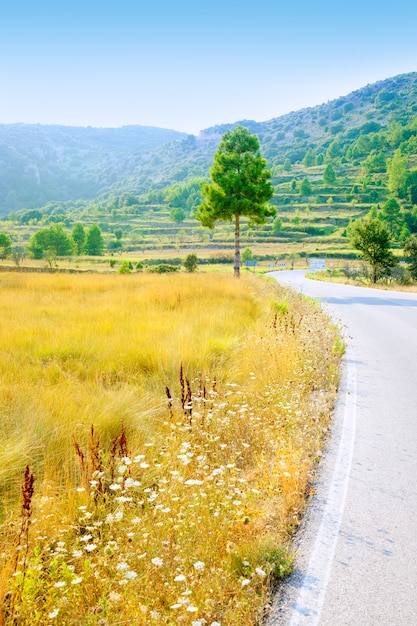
(40, 164)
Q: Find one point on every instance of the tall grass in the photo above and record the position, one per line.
(172, 425)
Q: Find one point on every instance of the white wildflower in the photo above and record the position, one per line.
(122, 566)
(180, 578)
(157, 561)
(114, 596)
(90, 547)
(199, 566)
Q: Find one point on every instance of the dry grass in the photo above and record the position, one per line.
(171, 425)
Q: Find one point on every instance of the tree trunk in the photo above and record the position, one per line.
(236, 267)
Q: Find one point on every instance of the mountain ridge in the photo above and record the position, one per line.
(44, 163)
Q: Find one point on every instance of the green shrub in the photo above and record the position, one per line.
(125, 268)
(164, 268)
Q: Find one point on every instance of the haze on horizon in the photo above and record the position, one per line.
(188, 67)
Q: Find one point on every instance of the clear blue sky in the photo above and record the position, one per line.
(188, 65)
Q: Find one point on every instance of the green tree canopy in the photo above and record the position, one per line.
(177, 214)
(375, 162)
(240, 185)
(5, 245)
(53, 241)
(33, 216)
(190, 262)
(277, 225)
(397, 174)
(309, 158)
(305, 188)
(329, 175)
(391, 215)
(94, 244)
(371, 238)
(78, 235)
(247, 254)
(410, 251)
(411, 185)
(333, 151)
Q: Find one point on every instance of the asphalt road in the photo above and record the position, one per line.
(357, 547)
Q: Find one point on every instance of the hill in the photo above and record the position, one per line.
(330, 164)
(39, 164)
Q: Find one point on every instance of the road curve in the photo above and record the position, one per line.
(357, 547)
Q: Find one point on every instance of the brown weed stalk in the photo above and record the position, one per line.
(23, 539)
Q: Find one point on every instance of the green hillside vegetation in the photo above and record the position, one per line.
(330, 164)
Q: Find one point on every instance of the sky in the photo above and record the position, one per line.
(188, 65)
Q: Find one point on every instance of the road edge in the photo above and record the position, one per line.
(300, 598)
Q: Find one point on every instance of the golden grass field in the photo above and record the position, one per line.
(159, 438)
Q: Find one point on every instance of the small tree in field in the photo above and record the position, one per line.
(371, 237)
(94, 243)
(190, 262)
(240, 185)
(78, 235)
(5, 245)
(247, 255)
(18, 255)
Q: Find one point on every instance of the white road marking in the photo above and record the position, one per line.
(309, 603)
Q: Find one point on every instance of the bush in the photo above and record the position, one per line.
(163, 268)
(191, 262)
(125, 268)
